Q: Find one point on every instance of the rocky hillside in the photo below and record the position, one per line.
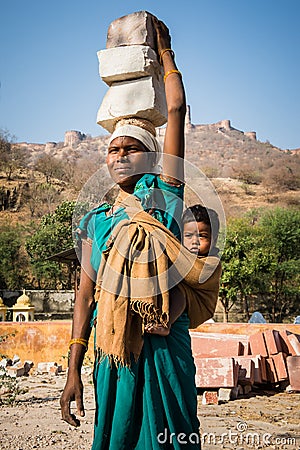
(244, 172)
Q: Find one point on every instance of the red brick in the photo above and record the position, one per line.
(254, 372)
(263, 369)
(295, 344)
(210, 398)
(246, 371)
(236, 369)
(216, 372)
(272, 340)
(260, 369)
(293, 366)
(280, 366)
(271, 371)
(218, 344)
(257, 344)
(285, 343)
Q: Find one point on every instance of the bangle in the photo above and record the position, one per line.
(164, 51)
(172, 71)
(81, 341)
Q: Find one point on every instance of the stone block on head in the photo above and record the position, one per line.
(128, 63)
(132, 29)
(143, 98)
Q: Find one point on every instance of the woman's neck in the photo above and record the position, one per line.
(127, 189)
(128, 185)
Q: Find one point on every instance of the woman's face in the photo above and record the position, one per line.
(127, 160)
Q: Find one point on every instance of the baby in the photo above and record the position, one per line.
(200, 230)
(200, 234)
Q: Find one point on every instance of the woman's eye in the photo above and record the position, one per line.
(133, 150)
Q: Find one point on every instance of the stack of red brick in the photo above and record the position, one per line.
(237, 362)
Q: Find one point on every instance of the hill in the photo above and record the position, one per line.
(244, 172)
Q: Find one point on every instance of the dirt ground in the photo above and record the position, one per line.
(266, 419)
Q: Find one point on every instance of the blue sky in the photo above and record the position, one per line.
(240, 60)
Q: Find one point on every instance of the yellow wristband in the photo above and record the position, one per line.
(81, 341)
(164, 51)
(172, 71)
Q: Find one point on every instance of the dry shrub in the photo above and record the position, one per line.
(284, 177)
(247, 173)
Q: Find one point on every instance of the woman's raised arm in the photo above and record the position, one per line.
(176, 104)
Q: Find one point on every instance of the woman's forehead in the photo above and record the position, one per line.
(125, 141)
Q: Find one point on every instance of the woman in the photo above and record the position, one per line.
(138, 405)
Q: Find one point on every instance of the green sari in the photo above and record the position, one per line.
(153, 404)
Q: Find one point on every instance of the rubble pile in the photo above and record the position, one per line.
(231, 365)
(16, 368)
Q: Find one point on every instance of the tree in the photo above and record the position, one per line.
(77, 174)
(12, 156)
(281, 226)
(244, 260)
(51, 167)
(13, 261)
(283, 175)
(40, 198)
(53, 235)
(246, 172)
(261, 262)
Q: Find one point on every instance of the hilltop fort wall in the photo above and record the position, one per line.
(73, 138)
(222, 126)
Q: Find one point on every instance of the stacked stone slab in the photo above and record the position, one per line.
(234, 363)
(129, 66)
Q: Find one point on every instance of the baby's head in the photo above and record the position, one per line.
(200, 230)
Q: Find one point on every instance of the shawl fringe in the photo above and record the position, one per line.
(113, 360)
(149, 313)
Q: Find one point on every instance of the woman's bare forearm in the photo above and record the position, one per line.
(83, 309)
(174, 143)
(176, 104)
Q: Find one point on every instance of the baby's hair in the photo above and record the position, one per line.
(199, 213)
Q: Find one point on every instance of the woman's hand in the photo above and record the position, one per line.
(73, 391)
(162, 35)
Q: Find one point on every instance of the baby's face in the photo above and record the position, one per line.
(197, 237)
